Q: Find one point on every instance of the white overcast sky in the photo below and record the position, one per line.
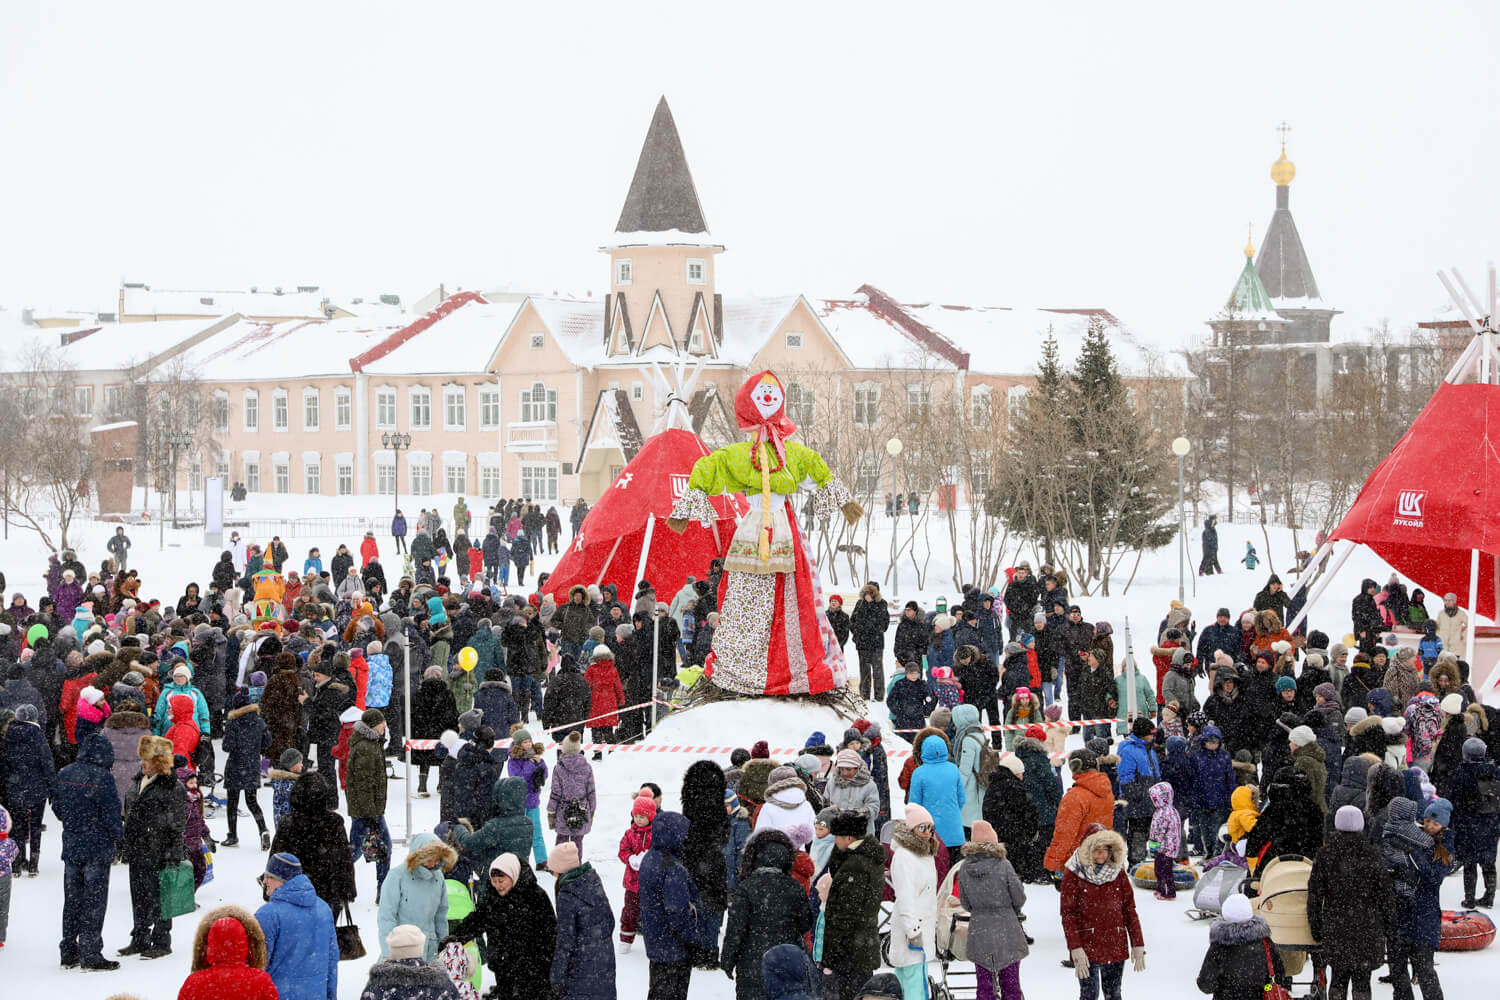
(999, 153)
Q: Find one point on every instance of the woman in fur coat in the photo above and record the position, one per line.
(1240, 963)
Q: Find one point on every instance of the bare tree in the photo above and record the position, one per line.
(175, 401)
(46, 461)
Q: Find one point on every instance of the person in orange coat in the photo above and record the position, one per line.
(229, 959)
(1088, 800)
(368, 550)
(608, 694)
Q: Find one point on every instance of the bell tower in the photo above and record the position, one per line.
(661, 258)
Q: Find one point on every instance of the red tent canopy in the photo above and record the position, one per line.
(609, 542)
(1427, 508)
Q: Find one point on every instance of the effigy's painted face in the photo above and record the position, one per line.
(767, 398)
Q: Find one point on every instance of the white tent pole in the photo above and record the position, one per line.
(1309, 569)
(1463, 306)
(640, 567)
(1322, 586)
(609, 559)
(1473, 605)
(1464, 363)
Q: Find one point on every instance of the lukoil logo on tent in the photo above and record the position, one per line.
(1409, 508)
(679, 485)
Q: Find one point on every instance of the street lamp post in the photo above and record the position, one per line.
(175, 441)
(893, 449)
(1180, 447)
(394, 443)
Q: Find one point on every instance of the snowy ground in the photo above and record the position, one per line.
(1175, 944)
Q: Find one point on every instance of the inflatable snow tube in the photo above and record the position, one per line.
(1144, 875)
(1466, 930)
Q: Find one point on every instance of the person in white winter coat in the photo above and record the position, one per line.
(786, 807)
(1452, 623)
(851, 788)
(914, 882)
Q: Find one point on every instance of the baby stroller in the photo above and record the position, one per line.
(1223, 876)
(1279, 897)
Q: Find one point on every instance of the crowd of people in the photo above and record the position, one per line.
(143, 722)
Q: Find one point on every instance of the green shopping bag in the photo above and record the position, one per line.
(460, 905)
(177, 890)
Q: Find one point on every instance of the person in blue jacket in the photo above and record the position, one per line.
(1213, 785)
(1140, 768)
(398, 530)
(302, 949)
(937, 787)
(670, 905)
(182, 683)
(86, 801)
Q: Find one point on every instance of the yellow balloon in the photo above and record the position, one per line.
(468, 658)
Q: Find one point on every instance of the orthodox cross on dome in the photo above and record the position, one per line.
(1283, 128)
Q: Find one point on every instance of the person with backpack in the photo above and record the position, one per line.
(1475, 793)
(572, 801)
(977, 759)
(1139, 770)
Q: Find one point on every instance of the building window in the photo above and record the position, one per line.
(343, 409)
(793, 341)
(799, 405)
(637, 391)
(252, 476)
(345, 479)
(114, 401)
(1015, 401)
(421, 479)
(918, 402)
(489, 481)
(455, 478)
(310, 409)
(421, 408)
(312, 472)
(866, 474)
(252, 411)
(385, 478)
(979, 474)
(539, 482)
(489, 408)
(83, 400)
(979, 406)
(195, 474)
(622, 271)
(695, 271)
(695, 342)
(283, 475)
(866, 405)
(538, 341)
(538, 403)
(454, 416)
(221, 412)
(385, 408)
(280, 412)
(221, 469)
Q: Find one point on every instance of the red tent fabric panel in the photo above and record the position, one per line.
(1427, 506)
(648, 486)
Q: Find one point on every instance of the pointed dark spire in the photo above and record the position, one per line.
(662, 195)
(1283, 264)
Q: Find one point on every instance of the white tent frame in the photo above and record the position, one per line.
(1480, 361)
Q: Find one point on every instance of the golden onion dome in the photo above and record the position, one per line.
(1283, 170)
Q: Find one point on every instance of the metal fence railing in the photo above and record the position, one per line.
(352, 527)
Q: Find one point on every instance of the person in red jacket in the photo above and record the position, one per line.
(183, 732)
(78, 674)
(368, 550)
(359, 669)
(1098, 916)
(608, 695)
(340, 751)
(229, 959)
(476, 563)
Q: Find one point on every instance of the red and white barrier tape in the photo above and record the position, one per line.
(502, 744)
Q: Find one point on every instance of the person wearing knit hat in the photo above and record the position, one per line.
(282, 867)
(1237, 910)
(982, 833)
(290, 759)
(1014, 765)
(1301, 736)
(573, 797)
(1035, 732)
(786, 807)
(913, 881)
(1349, 819)
(1439, 811)
(1452, 704)
(851, 788)
(406, 944)
(1285, 684)
(1326, 692)
(372, 717)
(563, 858)
(760, 749)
